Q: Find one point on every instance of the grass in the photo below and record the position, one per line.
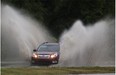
(56, 70)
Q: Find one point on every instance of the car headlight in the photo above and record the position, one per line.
(54, 55)
(35, 55)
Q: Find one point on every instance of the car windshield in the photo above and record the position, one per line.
(48, 48)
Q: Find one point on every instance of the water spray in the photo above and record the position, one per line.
(20, 35)
(91, 45)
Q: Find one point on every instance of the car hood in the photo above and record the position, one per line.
(45, 53)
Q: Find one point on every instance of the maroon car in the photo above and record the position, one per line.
(46, 53)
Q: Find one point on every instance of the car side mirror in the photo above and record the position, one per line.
(34, 50)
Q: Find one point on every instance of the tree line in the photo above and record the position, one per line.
(58, 15)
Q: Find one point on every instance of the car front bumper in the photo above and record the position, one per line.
(49, 61)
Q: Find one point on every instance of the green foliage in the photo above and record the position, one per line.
(58, 15)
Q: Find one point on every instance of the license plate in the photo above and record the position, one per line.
(43, 56)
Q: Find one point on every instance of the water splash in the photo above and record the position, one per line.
(80, 46)
(92, 45)
(20, 35)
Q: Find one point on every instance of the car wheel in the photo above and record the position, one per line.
(32, 62)
(57, 62)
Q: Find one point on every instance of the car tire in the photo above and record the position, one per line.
(32, 62)
(56, 62)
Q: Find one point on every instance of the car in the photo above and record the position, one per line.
(46, 53)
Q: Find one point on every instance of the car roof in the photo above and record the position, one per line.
(47, 43)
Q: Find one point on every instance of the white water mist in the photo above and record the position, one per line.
(20, 35)
(92, 45)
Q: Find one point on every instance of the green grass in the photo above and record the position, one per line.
(56, 70)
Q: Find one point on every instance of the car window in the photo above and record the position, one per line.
(48, 48)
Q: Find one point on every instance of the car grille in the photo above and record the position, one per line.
(44, 56)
